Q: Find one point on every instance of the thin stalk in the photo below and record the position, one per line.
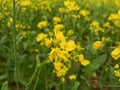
(37, 70)
(14, 44)
(37, 80)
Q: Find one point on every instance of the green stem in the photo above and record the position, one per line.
(117, 37)
(37, 69)
(14, 44)
(37, 80)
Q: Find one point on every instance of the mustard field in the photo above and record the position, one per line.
(59, 44)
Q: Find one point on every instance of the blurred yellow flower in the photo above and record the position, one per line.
(61, 10)
(59, 36)
(117, 73)
(48, 42)
(58, 27)
(116, 53)
(40, 37)
(98, 45)
(70, 45)
(60, 69)
(71, 6)
(42, 24)
(25, 3)
(70, 32)
(84, 12)
(24, 34)
(83, 61)
(54, 54)
(57, 20)
(63, 79)
(72, 77)
(116, 66)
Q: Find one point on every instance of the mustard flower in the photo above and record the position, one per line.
(58, 27)
(41, 36)
(70, 32)
(61, 10)
(117, 73)
(48, 42)
(59, 36)
(42, 24)
(54, 54)
(116, 66)
(83, 61)
(60, 69)
(25, 3)
(71, 6)
(24, 34)
(84, 12)
(98, 45)
(57, 20)
(72, 77)
(75, 16)
(69, 46)
(116, 53)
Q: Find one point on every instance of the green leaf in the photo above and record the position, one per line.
(75, 87)
(95, 64)
(37, 62)
(5, 86)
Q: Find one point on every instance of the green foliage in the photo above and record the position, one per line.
(63, 57)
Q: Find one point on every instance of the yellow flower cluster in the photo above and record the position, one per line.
(83, 61)
(117, 71)
(57, 20)
(61, 48)
(71, 6)
(98, 45)
(72, 77)
(25, 3)
(116, 53)
(42, 24)
(95, 27)
(115, 18)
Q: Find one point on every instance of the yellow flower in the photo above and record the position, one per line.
(72, 77)
(25, 3)
(107, 25)
(59, 36)
(98, 45)
(40, 37)
(58, 27)
(70, 32)
(83, 61)
(71, 6)
(54, 54)
(116, 53)
(116, 66)
(117, 73)
(68, 46)
(10, 21)
(48, 42)
(42, 24)
(76, 16)
(57, 20)
(61, 10)
(84, 13)
(24, 34)
(63, 79)
(58, 65)
(60, 69)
